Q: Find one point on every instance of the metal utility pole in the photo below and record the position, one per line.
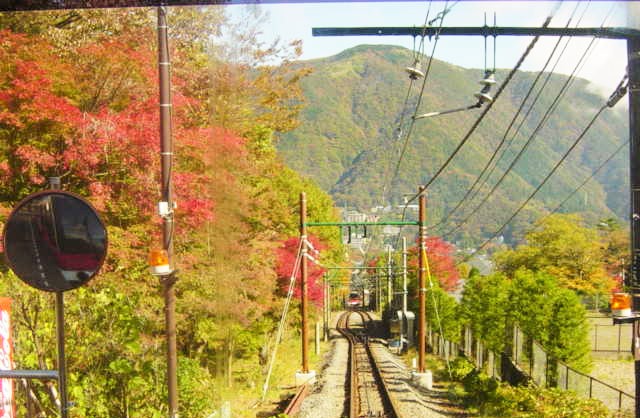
(404, 275)
(54, 184)
(62, 362)
(422, 267)
(303, 282)
(326, 306)
(378, 295)
(166, 158)
(633, 50)
(404, 292)
(389, 282)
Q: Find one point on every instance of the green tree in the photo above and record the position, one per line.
(485, 307)
(443, 313)
(551, 315)
(564, 248)
(546, 312)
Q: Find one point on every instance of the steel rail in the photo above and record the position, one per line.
(296, 401)
(355, 401)
(387, 398)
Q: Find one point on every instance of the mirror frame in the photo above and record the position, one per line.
(34, 196)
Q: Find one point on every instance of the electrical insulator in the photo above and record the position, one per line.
(414, 71)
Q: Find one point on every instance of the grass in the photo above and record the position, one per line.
(244, 396)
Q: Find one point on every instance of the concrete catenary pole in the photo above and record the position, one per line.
(422, 267)
(303, 283)
(166, 158)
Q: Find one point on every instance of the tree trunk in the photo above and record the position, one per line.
(229, 347)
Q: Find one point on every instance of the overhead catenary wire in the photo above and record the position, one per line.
(469, 191)
(417, 53)
(399, 131)
(559, 96)
(615, 97)
(405, 144)
(480, 118)
(531, 107)
(593, 174)
(387, 182)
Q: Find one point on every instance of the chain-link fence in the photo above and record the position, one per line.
(528, 359)
(607, 337)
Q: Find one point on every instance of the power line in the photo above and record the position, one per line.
(621, 90)
(518, 112)
(416, 52)
(531, 107)
(533, 135)
(482, 115)
(419, 101)
(593, 174)
(420, 51)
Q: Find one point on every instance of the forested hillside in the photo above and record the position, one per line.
(79, 100)
(348, 144)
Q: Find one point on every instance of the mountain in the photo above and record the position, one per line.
(347, 141)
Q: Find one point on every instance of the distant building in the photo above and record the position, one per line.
(409, 207)
(390, 230)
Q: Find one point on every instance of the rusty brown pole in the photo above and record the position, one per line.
(422, 267)
(166, 158)
(303, 283)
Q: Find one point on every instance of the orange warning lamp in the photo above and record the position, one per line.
(621, 304)
(159, 262)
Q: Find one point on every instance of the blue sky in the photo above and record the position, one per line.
(605, 66)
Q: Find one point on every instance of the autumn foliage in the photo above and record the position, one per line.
(81, 103)
(440, 255)
(287, 254)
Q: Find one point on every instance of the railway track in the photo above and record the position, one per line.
(368, 394)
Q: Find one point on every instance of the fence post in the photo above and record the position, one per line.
(619, 400)
(490, 365)
(595, 337)
(619, 335)
(514, 344)
(531, 364)
(546, 371)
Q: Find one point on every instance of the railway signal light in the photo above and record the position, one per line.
(159, 262)
(621, 304)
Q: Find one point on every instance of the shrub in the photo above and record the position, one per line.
(534, 402)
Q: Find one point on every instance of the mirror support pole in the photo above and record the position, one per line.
(62, 363)
(55, 184)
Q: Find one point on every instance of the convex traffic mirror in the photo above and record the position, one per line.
(55, 241)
